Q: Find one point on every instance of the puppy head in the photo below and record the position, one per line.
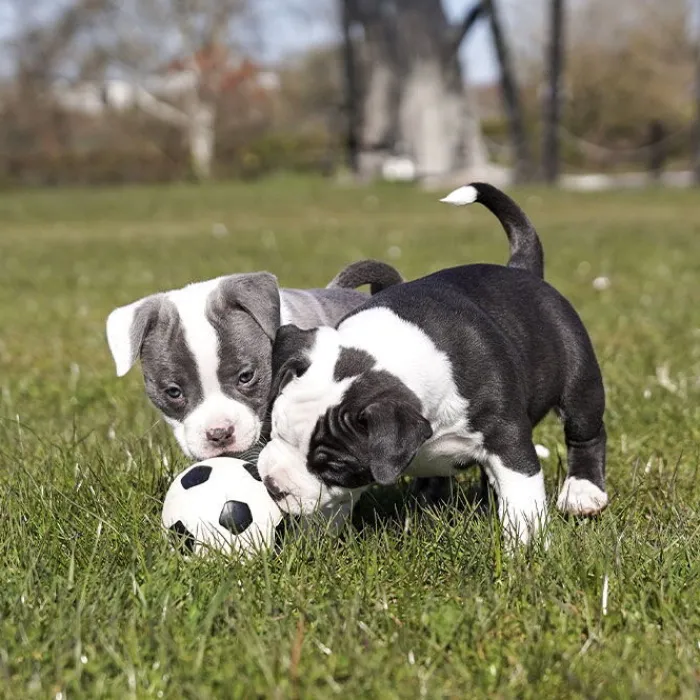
(339, 423)
(205, 353)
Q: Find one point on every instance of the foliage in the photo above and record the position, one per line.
(626, 63)
(93, 604)
(243, 155)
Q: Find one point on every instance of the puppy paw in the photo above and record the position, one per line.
(520, 530)
(581, 497)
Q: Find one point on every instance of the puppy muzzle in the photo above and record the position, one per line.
(294, 488)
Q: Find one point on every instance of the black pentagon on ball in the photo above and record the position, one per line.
(196, 476)
(252, 470)
(235, 517)
(185, 537)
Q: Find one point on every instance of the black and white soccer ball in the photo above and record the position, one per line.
(220, 504)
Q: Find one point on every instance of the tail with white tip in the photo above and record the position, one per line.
(525, 248)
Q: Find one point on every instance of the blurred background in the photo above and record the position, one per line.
(588, 94)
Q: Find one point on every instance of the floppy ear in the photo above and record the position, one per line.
(257, 293)
(127, 327)
(395, 432)
(289, 356)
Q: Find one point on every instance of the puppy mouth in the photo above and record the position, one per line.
(231, 451)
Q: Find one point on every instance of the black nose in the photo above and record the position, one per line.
(220, 436)
(275, 492)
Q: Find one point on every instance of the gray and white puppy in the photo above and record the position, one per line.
(206, 349)
(431, 376)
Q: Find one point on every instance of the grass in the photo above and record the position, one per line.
(92, 602)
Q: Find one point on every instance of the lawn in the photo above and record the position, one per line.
(94, 604)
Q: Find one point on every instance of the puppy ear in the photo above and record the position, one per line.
(290, 357)
(395, 432)
(127, 328)
(257, 293)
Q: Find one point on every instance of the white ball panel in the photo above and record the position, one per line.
(199, 507)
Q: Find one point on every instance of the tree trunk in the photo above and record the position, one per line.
(378, 132)
(552, 105)
(511, 99)
(696, 154)
(201, 136)
(352, 92)
(430, 119)
(414, 102)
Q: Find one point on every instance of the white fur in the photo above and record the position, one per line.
(581, 497)
(522, 501)
(119, 324)
(216, 410)
(286, 466)
(191, 304)
(407, 352)
(306, 399)
(294, 415)
(285, 316)
(467, 194)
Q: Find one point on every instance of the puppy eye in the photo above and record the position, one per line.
(174, 391)
(246, 377)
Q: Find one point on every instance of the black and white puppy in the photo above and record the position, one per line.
(433, 375)
(206, 349)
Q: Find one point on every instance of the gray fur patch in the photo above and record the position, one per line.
(243, 347)
(309, 308)
(167, 359)
(351, 363)
(256, 293)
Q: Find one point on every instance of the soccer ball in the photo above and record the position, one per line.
(220, 504)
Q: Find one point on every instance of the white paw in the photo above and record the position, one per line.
(522, 502)
(520, 527)
(581, 497)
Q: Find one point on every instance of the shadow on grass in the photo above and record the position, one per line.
(389, 507)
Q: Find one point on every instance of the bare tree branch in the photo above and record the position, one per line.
(352, 88)
(552, 105)
(461, 30)
(511, 97)
(40, 47)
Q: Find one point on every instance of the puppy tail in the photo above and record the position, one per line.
(525, 247)
(378, 275)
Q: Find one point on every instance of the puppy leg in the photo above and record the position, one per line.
(516, 477)
(583, 492)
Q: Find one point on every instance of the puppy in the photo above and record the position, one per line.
(433, 375)
(205, 349)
